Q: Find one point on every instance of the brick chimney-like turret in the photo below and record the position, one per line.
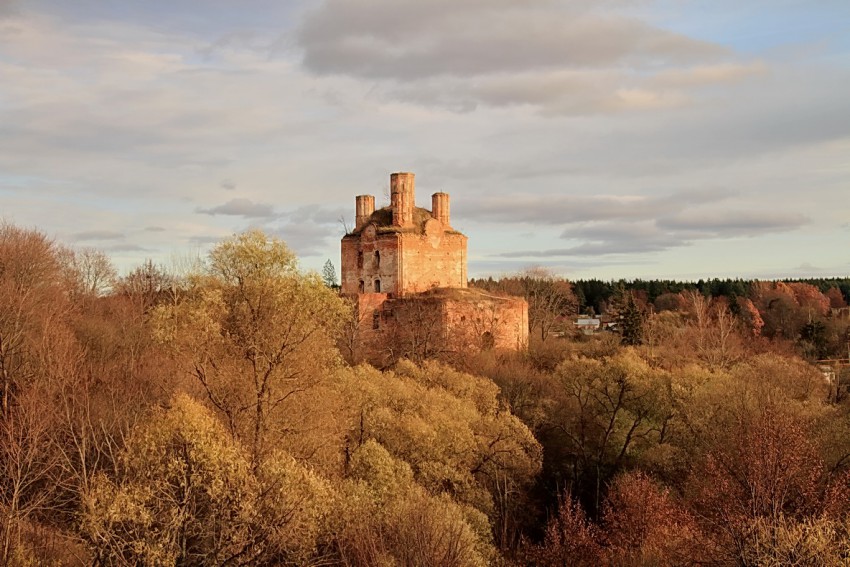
(402, 198)
(440, 207)
(365, 206)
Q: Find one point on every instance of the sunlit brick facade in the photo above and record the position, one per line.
(406, 266)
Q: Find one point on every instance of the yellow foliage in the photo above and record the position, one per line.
(816, 541)
(388, 519)
(186, 494)
(454, 436)
(255, 333)
(295, 508)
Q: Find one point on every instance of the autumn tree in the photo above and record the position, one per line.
(835, 297)
(31, 299)
(34, 332)
(604, 413)
(570, 539)
(450, 428)
(751, 321)
(388, 519)
(643, 524)
(255, 332)
(779, 309)
(550, 299)
(148, 284)
(713, 334)
(768, 471)
(184, 493)
(90, 271)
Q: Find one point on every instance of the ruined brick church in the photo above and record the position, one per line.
(405, 268)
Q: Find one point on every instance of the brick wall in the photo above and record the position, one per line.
(434, 259)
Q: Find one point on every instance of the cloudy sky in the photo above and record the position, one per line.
(601, 138)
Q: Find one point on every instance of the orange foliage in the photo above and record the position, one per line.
(750, 316)
(645, 526)
(571, 540)
(769, 469)
(808, 296)
(836, 298)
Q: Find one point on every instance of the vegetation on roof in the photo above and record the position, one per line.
(383, 219)
(462, 294)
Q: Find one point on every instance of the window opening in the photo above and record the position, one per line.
(377, 286)
(362, 286)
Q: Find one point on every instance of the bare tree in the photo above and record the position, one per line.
(91, 271)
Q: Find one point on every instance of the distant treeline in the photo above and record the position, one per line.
(595, 294)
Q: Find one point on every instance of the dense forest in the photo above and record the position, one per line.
(208, 414)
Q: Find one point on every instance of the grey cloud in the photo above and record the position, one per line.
(155, 229)
(564, 92)
(97, 235)
(607, 237)
(564, 58)
(308, 230)
(574, 91)
(793, 108)
(241, 207)
(306, 238)
(618, 231)
(317, 214)
(8, 7)
(806, 267)
(733, 223)
(591, 249)
(126, 248)
(242, 38)
(562, 209)
(393, 39)
(228, 185)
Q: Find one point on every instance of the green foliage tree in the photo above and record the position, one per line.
(814, 337)
(604, 414)
(329, 275)
(632, 320)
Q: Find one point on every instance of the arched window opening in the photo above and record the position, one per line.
(377, 286)
(377, 259)
(362, 286)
